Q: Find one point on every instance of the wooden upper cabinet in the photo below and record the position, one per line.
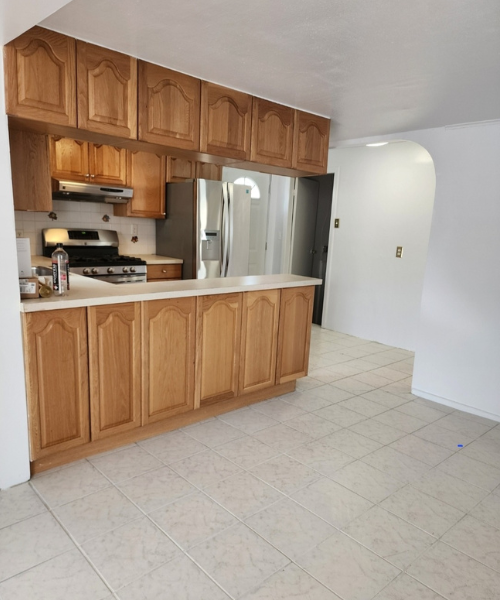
(57, 380)
(40, 77)
(180, 169)
(310, 142)
(30, 169)
(107, 91)
(169, 107)
(108, 164)
(69, 159)
(294, 336)
(168, 357)
(218, 334)
(115, 368)
(146, 174)
(272, 133)
(259, 339)
(226, 121)
(208, 171)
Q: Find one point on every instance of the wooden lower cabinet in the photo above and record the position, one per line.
(164, 272)
(259, 340)
(57, 380)
(168, 330)
(294, 336)
(115, 368)
(109, 375)
(218, 347)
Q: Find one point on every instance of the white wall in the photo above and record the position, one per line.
(15, 17)
(14, 457)
(458, 345)
(384, 199)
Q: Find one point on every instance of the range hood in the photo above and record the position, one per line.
(91, 192)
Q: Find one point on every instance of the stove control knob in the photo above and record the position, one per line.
(95, 271)
(111, 270)
(125, 269)
(132, 269)
(86, 271)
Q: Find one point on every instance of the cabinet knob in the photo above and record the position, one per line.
(87, 174)
(164, 270)
(92, 176)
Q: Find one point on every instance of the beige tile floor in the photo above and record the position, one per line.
(349, 488)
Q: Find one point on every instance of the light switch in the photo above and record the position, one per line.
(399, 251)
(336, 223)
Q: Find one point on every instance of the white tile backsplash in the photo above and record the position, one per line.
(88, 215)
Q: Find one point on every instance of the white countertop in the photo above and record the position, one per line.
(156, 259)
(89, 292)
(151, 259)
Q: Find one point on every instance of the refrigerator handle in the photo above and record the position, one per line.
(229, 244)
(224, 232)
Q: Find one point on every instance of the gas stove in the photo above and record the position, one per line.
(94, 253)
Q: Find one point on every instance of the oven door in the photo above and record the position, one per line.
(139, 278)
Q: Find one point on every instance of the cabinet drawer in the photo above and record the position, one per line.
(156, 272)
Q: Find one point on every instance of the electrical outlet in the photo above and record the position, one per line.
(399, 251)
(19, 233)
(134, 229)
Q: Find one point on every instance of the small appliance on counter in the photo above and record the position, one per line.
(94, 253)
(207, 224)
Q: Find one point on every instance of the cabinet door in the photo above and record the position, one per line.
(226, 119)
(107, 91)
(168, 357)
(294, 336)
(146, 174)
(69, 159)
(259, 339)
(169, 107)
(208, 171)
(180, 169)
(108, 164)
(310, 142)
(57, 380)
(115, 368)
(272, 133)
(41, 75)
(218, 342)
(30, 167)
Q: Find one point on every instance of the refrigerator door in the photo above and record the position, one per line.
(239, 202)
(210, 236)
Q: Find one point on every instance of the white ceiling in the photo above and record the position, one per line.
(373, 66)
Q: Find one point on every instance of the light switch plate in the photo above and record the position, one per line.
(399, 251)
(336, 223)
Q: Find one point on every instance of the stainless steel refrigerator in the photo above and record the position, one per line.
(207, 224)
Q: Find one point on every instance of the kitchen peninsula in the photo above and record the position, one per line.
(111, 364)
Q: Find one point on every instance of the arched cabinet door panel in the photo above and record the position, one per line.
(168, 357)
(169, 107)
(115, 368)
(259, 340)
(272, 133)
(40, 75)
(107, 91)
(57, 380)
(226, 119)
(294, 336)
(218, 347)
(310, 143)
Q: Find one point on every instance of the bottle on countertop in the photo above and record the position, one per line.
(60, 271)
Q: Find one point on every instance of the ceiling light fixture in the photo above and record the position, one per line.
(378, 144)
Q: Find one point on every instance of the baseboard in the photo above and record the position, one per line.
(453, 404)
